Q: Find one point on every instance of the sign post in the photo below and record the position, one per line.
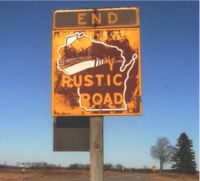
(96, 148)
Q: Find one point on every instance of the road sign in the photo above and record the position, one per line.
(96, 62)
(154, 168)
(71, 134)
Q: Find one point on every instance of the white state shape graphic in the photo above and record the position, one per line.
(75, 69)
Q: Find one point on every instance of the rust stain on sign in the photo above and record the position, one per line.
(96, 63)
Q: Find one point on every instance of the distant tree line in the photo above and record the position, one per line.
(37, 165)
(87, 167)
(32, 165)
(78, 166)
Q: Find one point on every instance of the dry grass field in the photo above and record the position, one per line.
(14, 174)
(60, 175)
(40, 174)
(172, 177)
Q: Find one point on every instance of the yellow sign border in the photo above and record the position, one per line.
(98, 28)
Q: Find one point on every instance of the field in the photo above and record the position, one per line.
(172, 177)
(75, 175)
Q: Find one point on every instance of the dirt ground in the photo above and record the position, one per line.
(13, 174)
(48, 175)
(172, 177)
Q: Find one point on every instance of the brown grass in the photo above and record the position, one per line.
(172, 177)
(17, 174)
(39, 174)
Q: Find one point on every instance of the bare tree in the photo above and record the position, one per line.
(162, 151)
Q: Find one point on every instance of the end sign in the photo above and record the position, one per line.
(96, 62)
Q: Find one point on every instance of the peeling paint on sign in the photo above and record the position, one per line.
(96, 71)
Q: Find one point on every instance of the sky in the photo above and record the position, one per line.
(169, 62)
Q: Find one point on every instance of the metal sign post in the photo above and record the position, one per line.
(96, 148)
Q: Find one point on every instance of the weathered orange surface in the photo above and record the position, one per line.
(96, 72)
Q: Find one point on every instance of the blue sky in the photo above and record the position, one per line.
(169, 51)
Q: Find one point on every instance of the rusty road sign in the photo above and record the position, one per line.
(96, 62)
